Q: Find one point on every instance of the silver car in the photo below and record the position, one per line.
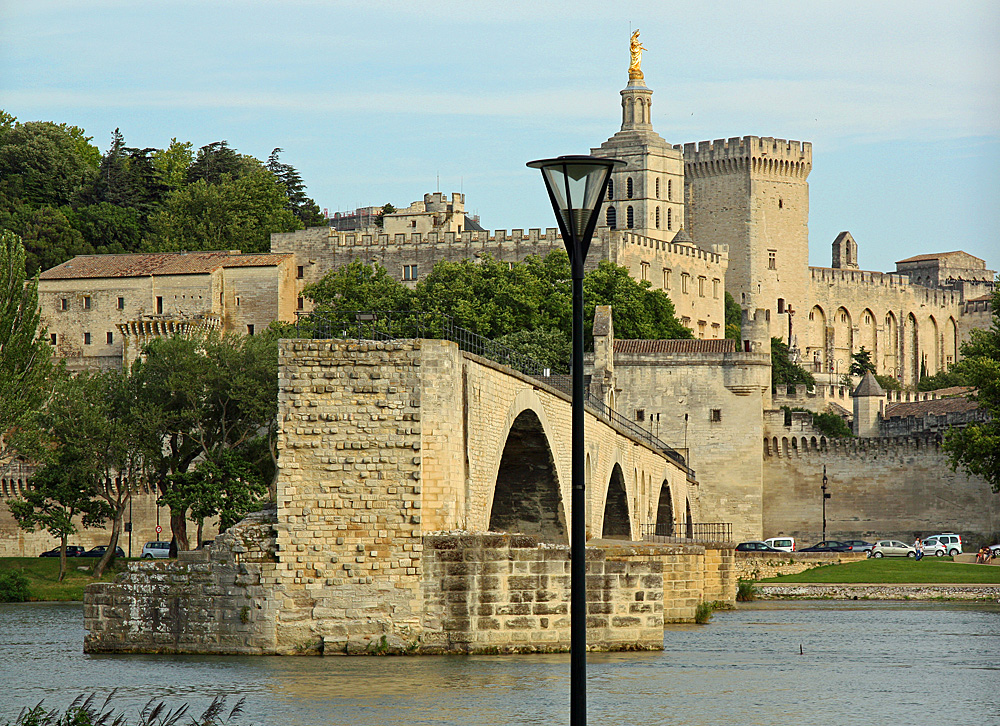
(950, 541)
(159, 550)
(892, 548)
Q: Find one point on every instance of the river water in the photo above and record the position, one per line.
(860, 663)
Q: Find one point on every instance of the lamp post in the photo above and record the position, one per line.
(826, 496)
(576, 187)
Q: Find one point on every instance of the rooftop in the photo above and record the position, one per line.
(712, 345)
(164, 263)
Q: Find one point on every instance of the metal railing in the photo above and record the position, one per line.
(398, 324)
(691, 532)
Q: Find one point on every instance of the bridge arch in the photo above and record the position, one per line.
(617, 523)
(526, 496)
(665, 511)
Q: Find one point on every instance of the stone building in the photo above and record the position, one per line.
(100, 309)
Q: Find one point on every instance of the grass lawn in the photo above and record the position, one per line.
(43, 573)
(898, 571)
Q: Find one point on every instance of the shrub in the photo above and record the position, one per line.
(703, 613)
(13, 587)
(746, 591)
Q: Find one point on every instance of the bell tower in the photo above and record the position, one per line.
(646, 196)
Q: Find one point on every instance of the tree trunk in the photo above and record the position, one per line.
(201, 526)
(178, 526)
(109, 555)
(62, 557)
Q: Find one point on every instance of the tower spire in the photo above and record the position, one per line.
(636, 97)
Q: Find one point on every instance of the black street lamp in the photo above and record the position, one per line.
(576, 187)
(826, 496)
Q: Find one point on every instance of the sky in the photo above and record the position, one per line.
(377, 102)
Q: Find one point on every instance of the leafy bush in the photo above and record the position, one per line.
(703, 613)
(831, 424)
(746, 591)
(13, 587)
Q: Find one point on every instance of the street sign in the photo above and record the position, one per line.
(159, 529)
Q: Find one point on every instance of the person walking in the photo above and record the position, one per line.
(919, 547)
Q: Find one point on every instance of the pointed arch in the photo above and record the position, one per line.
(890, 351)
(617, 524)
(815, 339)
(665, 512)
(688, 521)
(526, 497)
(912, 350)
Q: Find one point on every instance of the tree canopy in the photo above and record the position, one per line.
(783, 371)
(976, 447)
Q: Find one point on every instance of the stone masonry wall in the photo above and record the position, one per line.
(754, 566)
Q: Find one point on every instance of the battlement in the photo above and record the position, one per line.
(801, 394)
(797, 154)
(684, 250)
(850, 276)
(818, 445)
(500, 236)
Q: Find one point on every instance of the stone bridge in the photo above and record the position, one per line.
(488, 447)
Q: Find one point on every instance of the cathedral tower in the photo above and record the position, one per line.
(647, 194)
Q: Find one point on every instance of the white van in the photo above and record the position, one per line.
(785, 544)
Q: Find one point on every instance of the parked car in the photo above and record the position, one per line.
(71, 551)
(830, 545)
(934, 547)
(99, 551)
(858, 545)
(754, 546)
(952, 541)
(785, 544)
(892, 548)
(159, 550)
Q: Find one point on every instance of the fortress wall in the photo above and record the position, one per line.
(879, 488)
(683, 390)
(15, 542)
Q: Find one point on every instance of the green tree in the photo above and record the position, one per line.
(49, 237)
(235, 213)
(943, 379)
(203, 399)
(304, 208)
(43, 163)
(25, 357)
(173, 163)
(861, 362)
(215, 162)
(108, 228)
(359, 286)
(976, 447)
(734, 319)
(783, 371)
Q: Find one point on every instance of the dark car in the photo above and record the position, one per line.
(859, 545)
(755, 547)
(829, 545)
(71, 551)
(100, 550)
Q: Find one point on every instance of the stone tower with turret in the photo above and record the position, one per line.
(647, 194)
(751, 193)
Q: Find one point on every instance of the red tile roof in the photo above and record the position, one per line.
(713, 345)
(937, 407)
(161, 263)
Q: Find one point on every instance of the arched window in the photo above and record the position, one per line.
(628, 187)
(670, 219)
(670, 189)
(629, 218)
(612, 218)
(657, 188)
(611, 189)
(657, 211)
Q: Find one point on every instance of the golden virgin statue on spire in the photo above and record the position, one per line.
(635, 48)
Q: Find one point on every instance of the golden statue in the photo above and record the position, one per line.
(635, 48)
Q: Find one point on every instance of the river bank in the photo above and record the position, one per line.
(874, 591)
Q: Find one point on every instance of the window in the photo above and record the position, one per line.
(644, 270)
(716, 283)
(684, 282)
(611, 218)
(52, 338)
(780, 203)
(300, 272)
(640, 414)
(701, 286)
(657, 216)
(781, 305)
(111, 338)
(657, 188)
(121, 303)
(301, 304)
(629, 218)
(409, 272)
(868, 319)
(843, 317)
(86, 338)
(772, 259)
(670, 189)
(237, 302)
(767, 315)
(666, 278)
(670, 219)
(64, 303)
(159, 305)
(628, 187)
(611, 189)
(812, 315)
(250, 329)
(715, 415)
(86, 302)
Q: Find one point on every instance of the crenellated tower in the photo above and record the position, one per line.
(751, 193)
